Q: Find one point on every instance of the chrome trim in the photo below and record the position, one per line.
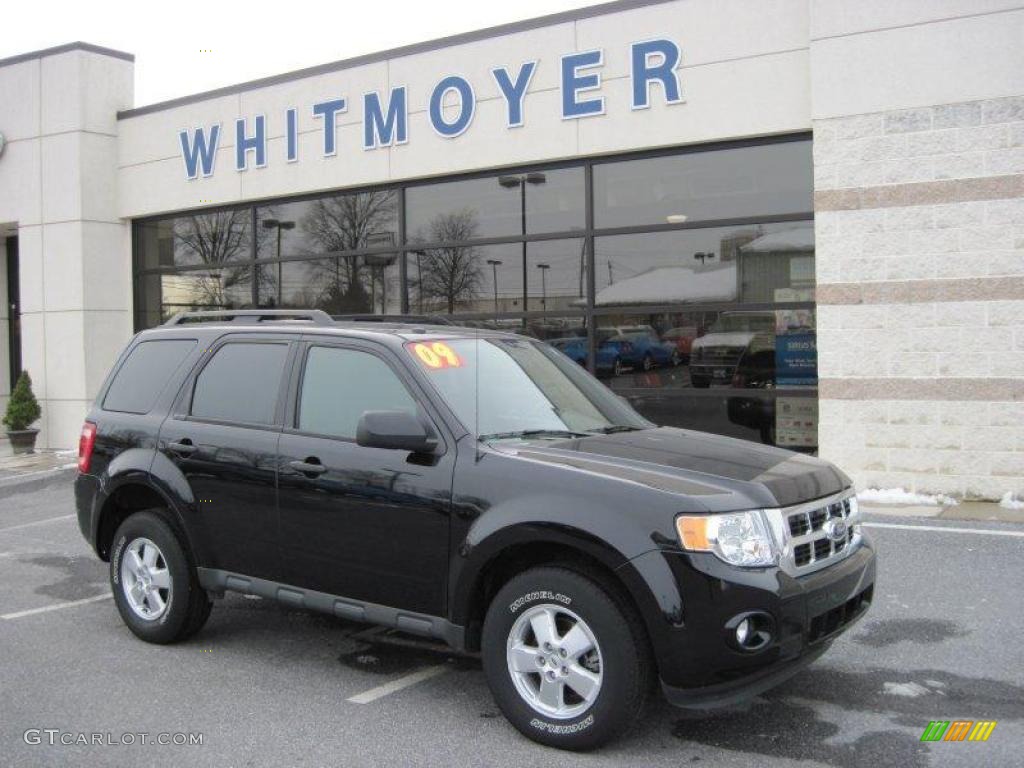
(786, 542)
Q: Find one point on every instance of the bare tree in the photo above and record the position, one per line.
(339, 224)
(452, 273)
(219, 240)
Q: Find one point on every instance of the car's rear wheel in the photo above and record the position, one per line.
(617, 368)
(648, 362)
(567, 664)
(154, 581)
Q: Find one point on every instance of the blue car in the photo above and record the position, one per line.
(647, 351)
(612, 354)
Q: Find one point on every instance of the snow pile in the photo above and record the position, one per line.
(669, 285)
(899, 496)
(800, 239)
(1010, 501)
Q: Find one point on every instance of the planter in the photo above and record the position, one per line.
(22, 440)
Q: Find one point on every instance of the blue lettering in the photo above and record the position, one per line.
(198, 152)
(515, 92)
(328, 110)
(378, 130)
(292, 133)
(574, 84)
(664, 71)
(467, 105)
(245, 144)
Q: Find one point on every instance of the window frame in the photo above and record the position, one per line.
(425, 406)
(115, 372)
(183, 406)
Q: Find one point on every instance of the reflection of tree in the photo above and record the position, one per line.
(339, 224)
(452, 274)
(218, 240)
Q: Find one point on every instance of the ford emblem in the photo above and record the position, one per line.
(835, 528)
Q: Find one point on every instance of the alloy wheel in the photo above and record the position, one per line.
(145, 579)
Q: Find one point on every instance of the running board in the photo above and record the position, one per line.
(218, 582)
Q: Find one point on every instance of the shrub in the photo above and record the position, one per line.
(22, 408)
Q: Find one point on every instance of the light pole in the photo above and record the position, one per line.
(703, 256)
(495, 263)
(278, 225)
(511, 182)
(544, 285)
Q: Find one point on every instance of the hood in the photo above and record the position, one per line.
(722, 473)
(723, 339)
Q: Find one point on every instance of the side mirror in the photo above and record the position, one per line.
(395, 430)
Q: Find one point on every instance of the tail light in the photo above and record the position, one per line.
(86, 441)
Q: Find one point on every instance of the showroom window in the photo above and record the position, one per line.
(683, 278)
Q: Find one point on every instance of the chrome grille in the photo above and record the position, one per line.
(802, 531)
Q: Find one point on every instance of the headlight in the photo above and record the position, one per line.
(738, 538)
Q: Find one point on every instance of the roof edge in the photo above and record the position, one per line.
(537, 22)
(65, 48)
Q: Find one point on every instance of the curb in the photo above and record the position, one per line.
(34, 481)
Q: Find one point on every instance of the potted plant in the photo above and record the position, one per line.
(22, 411)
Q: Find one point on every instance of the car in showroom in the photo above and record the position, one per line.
(715, 355)
(474, 487)
(648, 351)
(614, 355)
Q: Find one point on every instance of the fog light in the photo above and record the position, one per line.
(751, 631)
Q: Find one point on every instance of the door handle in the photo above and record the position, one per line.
(182, 448)
(311, 467)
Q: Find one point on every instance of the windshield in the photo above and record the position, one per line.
(733, 323)
(523, 386)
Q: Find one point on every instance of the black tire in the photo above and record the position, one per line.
(699, 382)
(187, 605)
(625, 664)
(617, 368)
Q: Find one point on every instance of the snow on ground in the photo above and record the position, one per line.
(901, 496)
(1010, 501)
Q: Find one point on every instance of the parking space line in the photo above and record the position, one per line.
(941, 529)
(397, 685)
(36, 522)
(55, 607)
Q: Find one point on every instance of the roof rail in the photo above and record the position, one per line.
(316, 316)
(366, 318)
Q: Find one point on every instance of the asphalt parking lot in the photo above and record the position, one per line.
(266, 685)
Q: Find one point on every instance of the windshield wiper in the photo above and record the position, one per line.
(531, 433)
(615, 428)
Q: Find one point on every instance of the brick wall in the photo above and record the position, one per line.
(920, 264)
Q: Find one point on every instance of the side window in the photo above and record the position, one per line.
(240, 383)
(143, 376)
(339, 385)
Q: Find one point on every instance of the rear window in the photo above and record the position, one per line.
(240, 383)
(143, 376)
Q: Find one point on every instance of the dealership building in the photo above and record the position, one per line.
(798, 222)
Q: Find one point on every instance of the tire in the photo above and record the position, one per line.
(648, 362)
(617, 368)
(619, 662)
(699, 382)
(185, 604)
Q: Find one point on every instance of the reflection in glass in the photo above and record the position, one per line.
(762, 263)
(211, 239)
(163, 296)
(551, 201)
(698, 186)
(328, 225)
(341, 285)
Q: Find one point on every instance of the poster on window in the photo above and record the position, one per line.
(796, 422)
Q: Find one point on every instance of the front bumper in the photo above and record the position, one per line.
(699, 663)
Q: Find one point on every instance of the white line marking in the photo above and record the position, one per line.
(397, 685)
(37, 522)
(55, 607)
(983, 531)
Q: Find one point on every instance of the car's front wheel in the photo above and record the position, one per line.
(567, 664)
(154, 583)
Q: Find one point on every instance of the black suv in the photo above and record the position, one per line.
(471, 486)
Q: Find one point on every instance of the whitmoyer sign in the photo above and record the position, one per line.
(452, 104)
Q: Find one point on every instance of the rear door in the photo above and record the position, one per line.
(366, 523)
(222, 434)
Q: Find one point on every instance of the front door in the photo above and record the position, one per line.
(223, 436)
(365, 523)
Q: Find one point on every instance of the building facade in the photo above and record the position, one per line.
(798, 222)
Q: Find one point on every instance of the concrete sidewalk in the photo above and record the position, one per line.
(15, 470)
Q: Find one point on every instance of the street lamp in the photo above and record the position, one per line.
(544, 285)
(278, 225)
(419, 277)
(702, 256)
(511, 182)
(495, 263)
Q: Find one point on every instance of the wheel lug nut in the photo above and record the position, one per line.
(561, 652)
(565, 670)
